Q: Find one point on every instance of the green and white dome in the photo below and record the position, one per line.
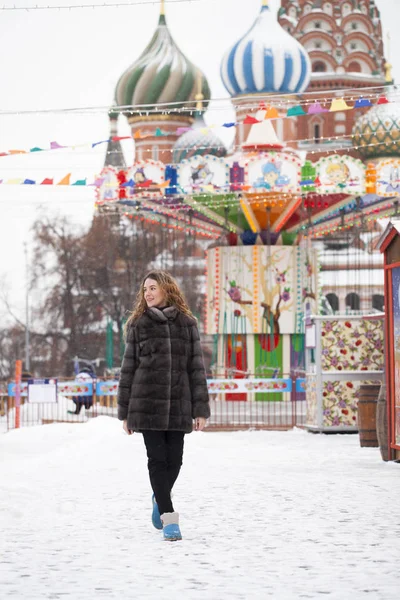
(377, 132)
(161, 75)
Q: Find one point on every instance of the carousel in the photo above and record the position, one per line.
(261, 207)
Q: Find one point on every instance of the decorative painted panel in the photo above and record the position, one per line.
(312, 400)
(145, 176)
(340, 174)
(353, 345)
(256, 289)
(388, 177)
(203, 173)
(275, 171)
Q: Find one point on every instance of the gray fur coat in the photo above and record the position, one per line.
(163, 383)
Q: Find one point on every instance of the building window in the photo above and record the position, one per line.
(353, 46)
(155, 153)
(319, 67)
(353, 301)
(340, 129)
(333, 301)
(354, 26)
(318, 44)
(340, 116)
(317, 133)
(328, 8)
(317, 24)
(378, 302)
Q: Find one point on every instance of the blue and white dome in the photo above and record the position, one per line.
(266, 60)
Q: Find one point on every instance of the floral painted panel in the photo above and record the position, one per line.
(340, 400)
(353, 345)
(312, 400)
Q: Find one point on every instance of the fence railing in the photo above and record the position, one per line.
(268, 404)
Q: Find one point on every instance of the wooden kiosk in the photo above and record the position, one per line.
(389, 244)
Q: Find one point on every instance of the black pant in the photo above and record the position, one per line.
(164, 453)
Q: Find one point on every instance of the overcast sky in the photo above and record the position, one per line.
(63, 59)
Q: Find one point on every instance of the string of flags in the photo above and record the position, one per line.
(337, 105)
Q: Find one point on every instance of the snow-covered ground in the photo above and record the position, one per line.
(282, 515)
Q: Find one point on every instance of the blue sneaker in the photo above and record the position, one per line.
(171, 529)
(155, 517)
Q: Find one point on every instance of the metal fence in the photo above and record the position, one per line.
(260, 410)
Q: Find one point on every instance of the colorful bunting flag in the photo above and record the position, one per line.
(65, 180)
(271, 113)
(383, 100)
(55, 146)
(249, 120)
(316, 109)
(339, 104)
(36, 149)
(295, 111)
(362, 103)
(80, 182)
(47, 181)
(29, 182)
(102, 142)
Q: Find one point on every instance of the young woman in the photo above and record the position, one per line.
(162, 387)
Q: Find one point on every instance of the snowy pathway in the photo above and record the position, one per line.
(282, 515)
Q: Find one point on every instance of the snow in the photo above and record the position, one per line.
(282, 515)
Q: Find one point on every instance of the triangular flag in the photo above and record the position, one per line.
(65, 180)
(118, 138)
(339, 104)
(3, 153)
(98, 182)
(317, 181)
(14, 181)
(271, 113)
(17, 152)
(362, 103)
(55, 146)
(47, 181)
(295, 111)
(229, 125)
(316, 108)
(383, 100)
(165, 184)
(130, 183)
(249, 120)
(29, 182)
(98, 143)
(80, 182)
(158, 132)
(137, 135)
(182, 130)
(36, 149)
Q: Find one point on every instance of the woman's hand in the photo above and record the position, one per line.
(199, 423)
(125, 427)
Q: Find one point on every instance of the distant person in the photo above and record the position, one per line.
(162, 387)
(85, 375)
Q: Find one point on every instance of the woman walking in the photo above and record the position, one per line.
(162, 387)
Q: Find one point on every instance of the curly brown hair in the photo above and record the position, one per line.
(172, 293)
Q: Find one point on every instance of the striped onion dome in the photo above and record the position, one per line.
(266, 60)
(162, 74)
(377, 132)
(199, 141)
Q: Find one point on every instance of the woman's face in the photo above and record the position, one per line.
(153, 293)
